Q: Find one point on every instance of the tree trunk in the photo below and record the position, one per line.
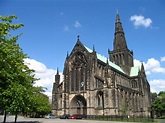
(4, 119)
(15, 118)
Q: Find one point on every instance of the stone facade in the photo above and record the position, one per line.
(95, 85)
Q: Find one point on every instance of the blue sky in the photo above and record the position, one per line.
(51, 29)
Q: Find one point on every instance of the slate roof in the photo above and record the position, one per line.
(104, 59)
(134, 70)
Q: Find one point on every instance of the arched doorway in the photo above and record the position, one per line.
(78, 105)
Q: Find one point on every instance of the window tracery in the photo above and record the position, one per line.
(79, 72)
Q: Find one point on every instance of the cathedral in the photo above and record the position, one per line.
(95, 85)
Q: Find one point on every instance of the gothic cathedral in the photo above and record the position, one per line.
(95, 85)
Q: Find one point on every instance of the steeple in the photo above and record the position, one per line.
(142, 68)
(119, 40)
(57, 77)
(120, 54)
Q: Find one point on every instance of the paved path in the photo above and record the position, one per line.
(42, 120)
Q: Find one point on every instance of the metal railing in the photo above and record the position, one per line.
(119, 118)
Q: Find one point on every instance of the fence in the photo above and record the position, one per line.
(119, 118)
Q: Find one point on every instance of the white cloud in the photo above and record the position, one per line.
(153, 90)
(152, 67)
(49, 94)
(77, 24)
(45, 74)
(137, 62)
(152, 64)
(158, 84)
(139, 20)
(66, 28)
(162, 59)
(148, 72)
(33, 64)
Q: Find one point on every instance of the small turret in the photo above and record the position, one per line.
(67, 55)
(94, 48)
(57, 77)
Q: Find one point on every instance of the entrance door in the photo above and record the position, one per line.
(78, 105)
(78, 110)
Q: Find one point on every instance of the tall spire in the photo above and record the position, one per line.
(117, 16)
(119, 41)
(120, 54)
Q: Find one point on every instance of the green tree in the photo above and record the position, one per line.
(42, 104)
(159, 103)
(16, 79)
(162, 94)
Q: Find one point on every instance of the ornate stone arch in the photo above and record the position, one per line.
(78, 105)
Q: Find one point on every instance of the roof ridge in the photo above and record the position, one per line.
(104, 59)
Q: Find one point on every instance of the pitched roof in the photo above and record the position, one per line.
(134, 71)
(104, 59)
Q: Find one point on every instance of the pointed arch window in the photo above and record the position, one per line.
(100, 99)
(134, 84)
(60, 102)
(99, 83)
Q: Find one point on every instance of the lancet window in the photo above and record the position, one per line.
(100, 99)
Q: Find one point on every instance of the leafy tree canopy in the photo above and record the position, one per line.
(17, 93)
(159, 102)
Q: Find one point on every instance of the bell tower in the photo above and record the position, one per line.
(120, 54)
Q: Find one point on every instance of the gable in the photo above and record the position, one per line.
(79, 47)
(82, 48)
